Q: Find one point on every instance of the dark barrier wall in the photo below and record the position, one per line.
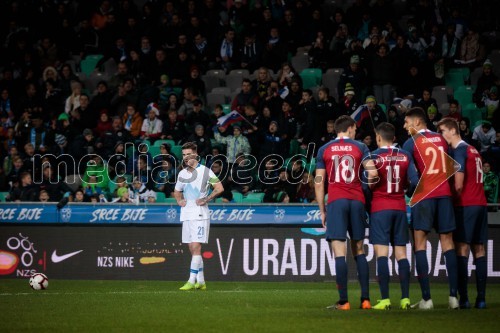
(234, 253)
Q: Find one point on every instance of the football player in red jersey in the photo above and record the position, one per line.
(341, 162)
(432, 206)
(471, 212)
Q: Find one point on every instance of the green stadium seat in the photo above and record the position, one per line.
(160, 197)
(237, 197)
(454, 80)
(308, 81)
(177, 152)
(154, 151)
(464, 71)
(316, 72)
(88, 64)
(253, 198)
(384, 107)
(463, 95)
(3, 195)
(158, 143)
(294, 147)
(474, 114)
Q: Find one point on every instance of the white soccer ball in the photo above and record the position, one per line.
(39, 281)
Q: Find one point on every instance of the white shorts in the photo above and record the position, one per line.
(195, 231)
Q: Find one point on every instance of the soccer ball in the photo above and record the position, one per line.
(39, 281)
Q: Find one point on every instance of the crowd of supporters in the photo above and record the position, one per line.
(93, 136)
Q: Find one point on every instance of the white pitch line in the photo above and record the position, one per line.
(148, 292)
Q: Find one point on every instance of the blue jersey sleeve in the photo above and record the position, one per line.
(320, 162)
(460, 156)
(409, 146)
(412, 175)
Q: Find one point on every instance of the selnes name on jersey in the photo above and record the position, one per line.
(341, 148)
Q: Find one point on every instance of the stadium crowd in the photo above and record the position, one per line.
(150, 85)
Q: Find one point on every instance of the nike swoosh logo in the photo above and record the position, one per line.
(55, 258)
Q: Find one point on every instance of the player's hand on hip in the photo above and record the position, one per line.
(182, 203)
(323, 219)
(201, 202)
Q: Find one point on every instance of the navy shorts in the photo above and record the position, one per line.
(472, 225)
(389, 227)
(345, 216)
(437, 213)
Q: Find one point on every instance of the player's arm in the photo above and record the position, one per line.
(178, 193)
(412, 175)
(179, 198)
(371, 172)
(217, 190)
(460, 155)
(319, 190)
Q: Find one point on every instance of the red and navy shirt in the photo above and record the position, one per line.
(472, 167)
(396, 171)
(429, 151)
(342, 159)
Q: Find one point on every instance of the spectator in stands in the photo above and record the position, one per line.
(434, 117)
(329, 134)
(368, 125)
(356, 76)
(97, 168)
(454, 111)
(465, 132)
(165, 177)
(485, 134)
(319, 54)
(79, 196)
(305, 189)
(73, 101)
(228, 56)
(450, 46)
(152, 125)
(227, 195)
(195, 82)
(309, 121)
(198, 116)
(83, 146)
(201, 139)
(173, 128)
(272, 142)
(275, 50)
(251, 53)
(25, 189)
(104, 124)
(262, 82)
(348, 102)
(252, 128)
(236, 143)
(118, 161)
(326, 106)
(382, 75)
(53, 183)
(43, 196)
(491, 102)
(394, 117)
(15, 171)
(139, 191)
(472, 51)
(426, 100)
(286, 74)
(241, 175)
(106, 144)
(102, 98)
(287, 123)
(246, 96)
(490, 182)
(190, 95)
(123, 196)
(487, 80)
(132, 121)
(127, 94)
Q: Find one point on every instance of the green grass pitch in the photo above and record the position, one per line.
(156, 306)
